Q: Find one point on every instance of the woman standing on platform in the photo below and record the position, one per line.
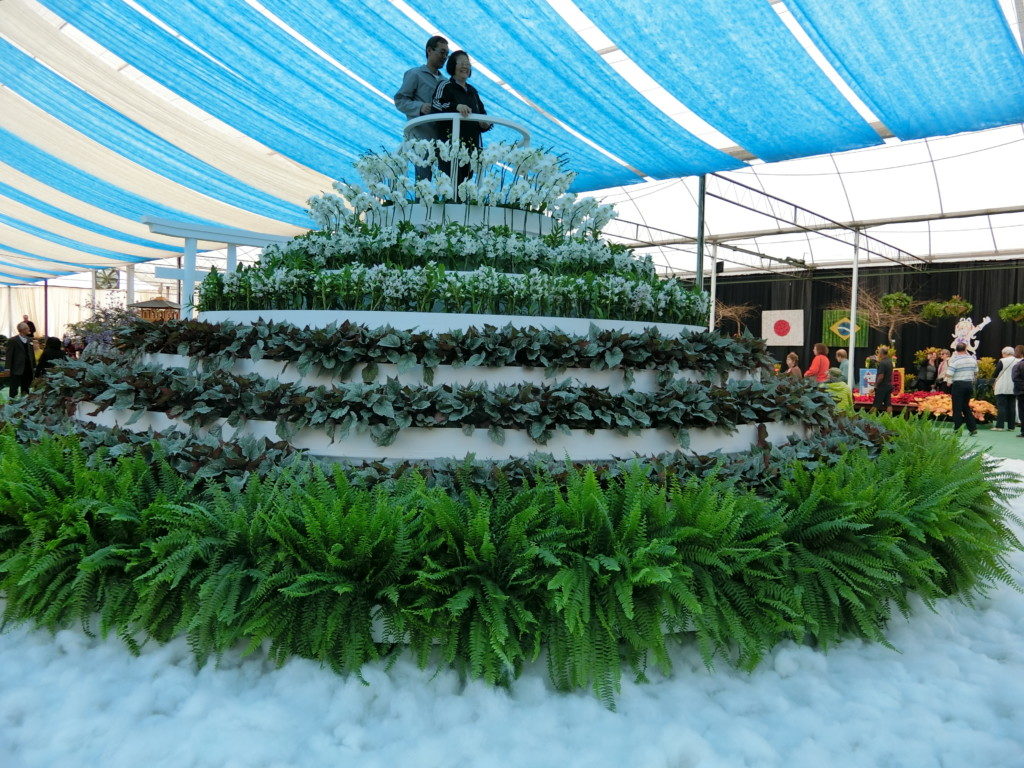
(457, 95)
(818, 369)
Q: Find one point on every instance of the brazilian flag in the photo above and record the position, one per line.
(835, 325)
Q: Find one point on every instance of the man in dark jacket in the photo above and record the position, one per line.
(21, 360)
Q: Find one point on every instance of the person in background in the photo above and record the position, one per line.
(52, 352)
(942, 380)
(20, 361)
(1018, 385)
(1005, 399)
(417, 92)
(883, 381)
(792, 367)
(963, 370)
(928, 373)
(818, 369)
(843, 361)
(30, 324)
(840, 390)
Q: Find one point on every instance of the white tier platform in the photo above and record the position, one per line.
(436, 321)
(446, 442)
(613, 380)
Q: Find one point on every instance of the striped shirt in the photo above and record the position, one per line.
(962, 367)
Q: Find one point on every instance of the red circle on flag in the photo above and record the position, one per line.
(781, 327)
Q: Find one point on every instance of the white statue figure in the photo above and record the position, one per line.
(965, 331)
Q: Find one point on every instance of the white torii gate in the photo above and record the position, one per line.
(192, 234)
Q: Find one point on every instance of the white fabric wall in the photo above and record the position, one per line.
(66, 305)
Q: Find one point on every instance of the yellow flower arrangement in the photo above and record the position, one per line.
(942, 405)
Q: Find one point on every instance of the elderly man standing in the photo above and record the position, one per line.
(21, 360)
(417, 92)
(963, 369)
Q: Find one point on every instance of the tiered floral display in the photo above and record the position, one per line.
(412, 327)
(460, 423)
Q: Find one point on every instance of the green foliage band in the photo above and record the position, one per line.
(433, 289)
(340, 348)
(205, 455)
(455, 246)
(383, 410)
(595, 575)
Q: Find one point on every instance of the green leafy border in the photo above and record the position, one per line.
(431, 288)
(595, 575)
(383, 410)
(337, 349)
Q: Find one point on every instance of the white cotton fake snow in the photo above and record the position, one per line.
(952, 697)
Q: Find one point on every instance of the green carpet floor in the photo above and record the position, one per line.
(1005, 445)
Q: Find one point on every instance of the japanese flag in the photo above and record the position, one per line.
(783, 327)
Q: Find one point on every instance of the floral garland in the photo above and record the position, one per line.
(526, 178)
(434, 289)
(454, 246)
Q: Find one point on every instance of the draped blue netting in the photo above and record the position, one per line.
(739, 68)
(82, 223)
(925, 67)
(70, 180)
(106, 126)
(530, 47)
(259, 108)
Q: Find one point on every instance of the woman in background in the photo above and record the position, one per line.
(52, 352)
(928, 373)
(792, 369)
(818, 369)
(942, 379)
(1003, 389)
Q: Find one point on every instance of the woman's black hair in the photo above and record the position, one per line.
(453, 59)
(52, 344)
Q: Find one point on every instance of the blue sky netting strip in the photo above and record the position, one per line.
(54, 272)
(926, 68)
(233, 98)
(537, 53)
(106, 126)
(402, 47)
(75, 182)
(68, 242)
(738, 67)
(53, 211)
(294, 77)
(10, 249)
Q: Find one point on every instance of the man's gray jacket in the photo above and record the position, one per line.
(417, 89)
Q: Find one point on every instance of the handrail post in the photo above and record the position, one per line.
(454, 167)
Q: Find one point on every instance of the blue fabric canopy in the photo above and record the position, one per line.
(99, 122)
(312, 81)
(926, 68)
(738, 67)
(532, 49)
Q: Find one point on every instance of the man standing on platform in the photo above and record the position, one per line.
(21, 360)
(963, 369)
(417, 92)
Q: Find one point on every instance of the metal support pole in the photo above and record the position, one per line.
(129, 284)
(854, 288)
(702, 189)
(714, 285)
(46, 308)
(188, 283)
(10, 312)
(232, 260)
